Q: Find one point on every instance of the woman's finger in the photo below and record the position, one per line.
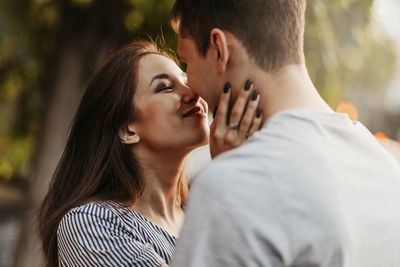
(256, 125)
(240, 105)
(219, 127)
(249, 115)
(221, 118)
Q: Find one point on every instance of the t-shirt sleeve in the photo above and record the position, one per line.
(215, 232)
(95, 237)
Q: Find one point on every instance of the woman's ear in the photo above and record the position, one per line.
(219, 45)
(128, 135)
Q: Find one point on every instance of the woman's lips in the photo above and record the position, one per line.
(195, 112)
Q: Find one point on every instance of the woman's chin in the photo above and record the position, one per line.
(201, 139)
(205, 136)
(206, 140)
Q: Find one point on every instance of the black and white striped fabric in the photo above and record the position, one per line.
(108, 233)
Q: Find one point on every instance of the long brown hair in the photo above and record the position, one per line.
(95, 164)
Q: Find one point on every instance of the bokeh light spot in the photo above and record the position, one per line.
(381, 135)
(349, 109)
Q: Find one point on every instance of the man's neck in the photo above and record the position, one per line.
(289, 88)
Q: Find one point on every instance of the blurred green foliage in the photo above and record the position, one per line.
(343, 52)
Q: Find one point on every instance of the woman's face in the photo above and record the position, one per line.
(170, 114)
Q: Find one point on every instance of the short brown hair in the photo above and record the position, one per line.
(271, 30)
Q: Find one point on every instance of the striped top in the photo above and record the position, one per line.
(107, 233)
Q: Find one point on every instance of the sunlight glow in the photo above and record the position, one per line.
(349, 109)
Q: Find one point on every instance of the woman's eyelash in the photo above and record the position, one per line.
(163, 88)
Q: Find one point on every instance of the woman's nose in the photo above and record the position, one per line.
(189, 96)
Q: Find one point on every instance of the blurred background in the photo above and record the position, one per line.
(50, 48)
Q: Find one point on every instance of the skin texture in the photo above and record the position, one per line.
(197, 71)
(200, 69)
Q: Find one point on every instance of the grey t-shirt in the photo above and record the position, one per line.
(309, 189)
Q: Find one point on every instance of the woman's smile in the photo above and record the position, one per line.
(197, 111)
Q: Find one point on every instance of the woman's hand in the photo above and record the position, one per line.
(228, 131)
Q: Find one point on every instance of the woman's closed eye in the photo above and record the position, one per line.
(164, 88)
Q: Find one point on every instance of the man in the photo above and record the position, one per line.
(312, 187)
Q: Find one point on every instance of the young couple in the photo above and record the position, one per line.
(310, 188)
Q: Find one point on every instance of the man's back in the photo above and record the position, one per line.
(309, 189)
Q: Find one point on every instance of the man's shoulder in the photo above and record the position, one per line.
(263, 154)
(231, 163)
(234, 170)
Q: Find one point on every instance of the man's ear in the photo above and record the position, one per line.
(128, 135)
(219, 46)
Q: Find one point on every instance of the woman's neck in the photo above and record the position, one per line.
(160, 201)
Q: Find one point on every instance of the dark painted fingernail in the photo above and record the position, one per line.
(247, 85)
(215, 111)
(254, 96)
(227, 87)
(259, 112)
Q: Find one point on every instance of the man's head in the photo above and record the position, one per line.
(270, 31)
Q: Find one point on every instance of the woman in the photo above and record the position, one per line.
(117, 196)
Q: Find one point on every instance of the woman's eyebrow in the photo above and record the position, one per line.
(159, 76)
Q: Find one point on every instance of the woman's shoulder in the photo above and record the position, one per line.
(103, 231)
(101, 209)
(94, 212)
